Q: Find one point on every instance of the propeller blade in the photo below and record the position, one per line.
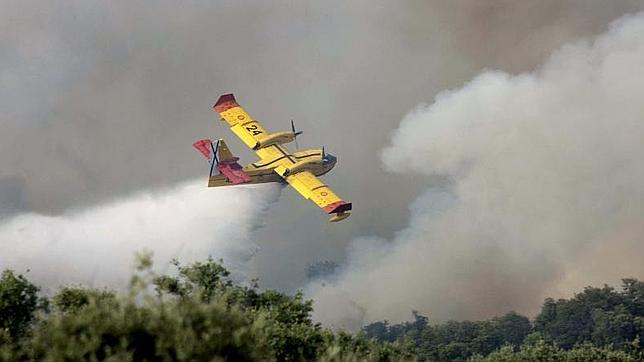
(295, 133)
(323, 154)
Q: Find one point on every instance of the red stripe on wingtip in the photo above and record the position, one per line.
(225, 102)
(338, 206)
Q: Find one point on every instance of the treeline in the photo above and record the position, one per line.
(197, 314)
(598, 324)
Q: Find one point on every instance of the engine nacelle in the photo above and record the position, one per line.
(297, 167)
(274, 139)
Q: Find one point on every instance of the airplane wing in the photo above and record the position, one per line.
(248, 129)
(312, 188)
(240, 122)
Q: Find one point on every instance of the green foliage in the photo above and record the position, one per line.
(18, 303)
(342, 346)
(454, 341)
(596, 324)
(616, 327)
(183, 330)
(287, 328)
(196, 314)
(633, 296)
(602, 316)
(199, 280)
(544, 351)
(70, 299)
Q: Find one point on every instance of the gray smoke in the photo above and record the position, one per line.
(546, 191)
(102, 99)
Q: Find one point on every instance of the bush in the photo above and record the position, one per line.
(544, 351)
(18, 303)
(197, 314)
(178, 330)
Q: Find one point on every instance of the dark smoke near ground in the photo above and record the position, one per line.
(101, 100)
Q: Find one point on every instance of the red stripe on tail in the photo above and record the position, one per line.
(233, 172)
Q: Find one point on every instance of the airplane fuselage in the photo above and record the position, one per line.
(264, 171)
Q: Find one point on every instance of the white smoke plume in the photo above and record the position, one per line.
(546, 193)
(96, 246)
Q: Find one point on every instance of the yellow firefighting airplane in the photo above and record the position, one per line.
(276, 164)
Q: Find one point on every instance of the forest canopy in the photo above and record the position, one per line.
(198, 313)
(598, 324)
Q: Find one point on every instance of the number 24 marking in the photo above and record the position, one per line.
(253, 129)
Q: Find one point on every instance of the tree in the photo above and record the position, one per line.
(285, 321)
(569, 322)
(122, 329)
(603, 316)
(545, 351)
(70, 299)
(196, 314)
(18, 303)
(617, 327)
(633, 292)
(454, 340)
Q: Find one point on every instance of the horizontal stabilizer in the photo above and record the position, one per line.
(205, 148)
(233, 172)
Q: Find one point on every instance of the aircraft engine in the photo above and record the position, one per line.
(298, 167)
(274, 139)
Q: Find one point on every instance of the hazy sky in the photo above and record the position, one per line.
(101, 100)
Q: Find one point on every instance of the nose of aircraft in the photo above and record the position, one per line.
(330, 159)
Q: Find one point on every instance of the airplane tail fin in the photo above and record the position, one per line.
(205, 148)
(228, 165)
(223, 152)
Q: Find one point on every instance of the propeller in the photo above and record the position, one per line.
(323, 154)
(295, 134)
